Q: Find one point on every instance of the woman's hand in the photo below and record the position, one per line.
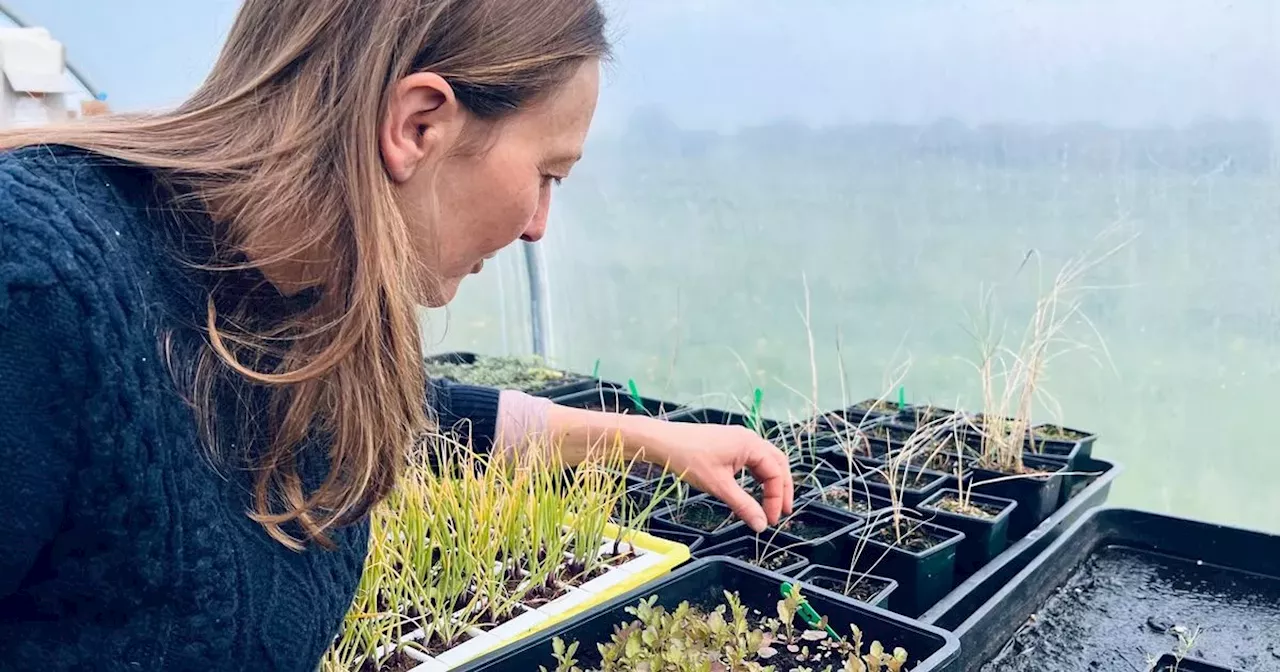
(708, 457)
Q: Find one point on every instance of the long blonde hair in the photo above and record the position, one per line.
(282, 138)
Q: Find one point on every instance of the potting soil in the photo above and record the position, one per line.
(913, 539)
(862, 589)
(808, 528)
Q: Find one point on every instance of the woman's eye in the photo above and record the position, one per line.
(552, 179)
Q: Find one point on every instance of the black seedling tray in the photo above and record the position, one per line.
(769, 429)
(1144, 574)
(880, 598)
(973, 592)
(616, 400)
(984, 538)
(703, 583)
(572, 383)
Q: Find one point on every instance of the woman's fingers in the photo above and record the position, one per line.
(770, 468)
(744, 507)
(789, 497)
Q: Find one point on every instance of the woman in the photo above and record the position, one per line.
(209, 358)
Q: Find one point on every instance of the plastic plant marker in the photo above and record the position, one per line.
(808, 614)
(902, 396)
(635, 395)
(756, 401)
(595, 369)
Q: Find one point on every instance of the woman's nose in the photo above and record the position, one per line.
(537, 227)
(535, 231)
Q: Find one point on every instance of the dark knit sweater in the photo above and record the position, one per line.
(121, 547)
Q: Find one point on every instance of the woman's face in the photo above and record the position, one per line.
(469, 189)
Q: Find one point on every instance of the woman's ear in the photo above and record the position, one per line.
(423, 121)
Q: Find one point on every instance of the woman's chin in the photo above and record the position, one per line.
(442, 294)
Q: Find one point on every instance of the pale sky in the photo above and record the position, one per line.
(724, 63)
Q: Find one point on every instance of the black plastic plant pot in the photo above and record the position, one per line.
(809, 476)
(865, 588)
(804, 444)
(894, 433)
(915, 415)
(1058, 434)
(818, 533)
(1037, 496)
(701, 515)
(1172, 663)
(859, 465)
(986, 527)
(973, 592)
(914, 484)
(641, 496)
(870, 451)
(650, 473)
(856, 463)
(1135, 583)
(922, 562)
(845, 497)
(759, 552)
(769, 429)
(703, 584)
(1072, 454)
(631, 479)
(617, 400)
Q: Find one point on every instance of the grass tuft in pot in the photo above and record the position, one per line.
(1012, 378)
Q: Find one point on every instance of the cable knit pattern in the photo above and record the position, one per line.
(120, 546)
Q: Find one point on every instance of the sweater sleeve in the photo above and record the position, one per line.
(467, 413)
(41, 375)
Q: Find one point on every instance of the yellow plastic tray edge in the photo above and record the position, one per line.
(672, 553)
